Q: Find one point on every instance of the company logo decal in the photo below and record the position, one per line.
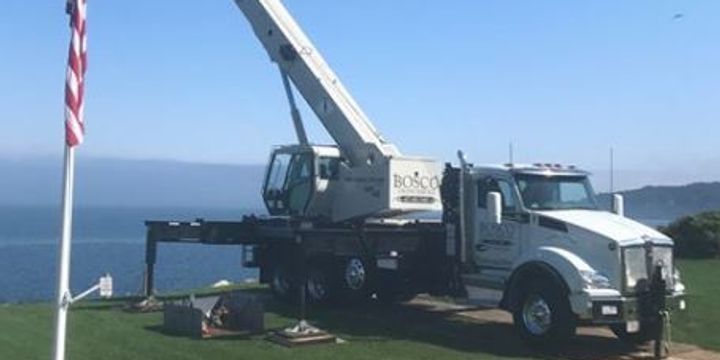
(416, 184)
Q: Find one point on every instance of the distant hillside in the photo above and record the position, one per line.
(153, 183)
(669, 202)
(133, 183)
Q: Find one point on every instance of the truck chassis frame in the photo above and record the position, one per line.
(411, 253)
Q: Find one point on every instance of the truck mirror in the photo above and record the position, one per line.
(618, 204)
(494, 207)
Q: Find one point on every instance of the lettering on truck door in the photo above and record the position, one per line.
(497, 245)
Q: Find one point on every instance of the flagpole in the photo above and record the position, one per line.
(63, 289)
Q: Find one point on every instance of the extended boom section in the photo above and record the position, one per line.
(290, 48)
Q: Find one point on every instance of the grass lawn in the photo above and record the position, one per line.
(103, 331)
(699, 325)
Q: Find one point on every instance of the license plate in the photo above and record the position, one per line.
(632, 326)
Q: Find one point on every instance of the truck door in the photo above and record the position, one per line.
(496, 246)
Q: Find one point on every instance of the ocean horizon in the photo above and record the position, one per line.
(108, 240)
(112, 240)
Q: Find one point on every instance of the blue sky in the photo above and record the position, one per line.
(562, 79)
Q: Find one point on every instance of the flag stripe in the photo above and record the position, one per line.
(75, 77)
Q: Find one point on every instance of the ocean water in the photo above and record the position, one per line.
(107, 240)
(112, 240)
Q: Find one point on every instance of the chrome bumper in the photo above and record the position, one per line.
(624, 309)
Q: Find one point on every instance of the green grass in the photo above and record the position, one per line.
(104, 331)
(699, 325)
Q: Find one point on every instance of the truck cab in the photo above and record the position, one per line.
(537, 243)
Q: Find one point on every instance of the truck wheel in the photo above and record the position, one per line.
(355, 280)
(645, 334)
(542, 314)
(281, 284)
(319, 285)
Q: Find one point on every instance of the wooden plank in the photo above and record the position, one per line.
(294, 340)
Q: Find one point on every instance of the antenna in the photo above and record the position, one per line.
(612, 170)
(510, 149)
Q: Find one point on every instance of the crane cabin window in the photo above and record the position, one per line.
(300, 170)
(278, 172)
(299, 185)
(328, 168)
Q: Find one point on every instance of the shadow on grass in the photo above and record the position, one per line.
(159, 329)
(374, 322)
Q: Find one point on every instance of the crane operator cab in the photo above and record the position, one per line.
(317, 182)
(299, 180)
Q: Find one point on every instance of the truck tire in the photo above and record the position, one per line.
(282, 285)
(355, 280)
(320, 287)
(542, 313)
(644, 335)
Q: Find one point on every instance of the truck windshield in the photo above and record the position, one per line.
(540, 192)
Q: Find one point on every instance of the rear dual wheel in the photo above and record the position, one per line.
(343, 282)
(282, 285)
(319, 285)
(355, 282)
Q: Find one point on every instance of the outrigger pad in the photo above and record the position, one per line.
(229, 314)
(301, 334)
(149, 304)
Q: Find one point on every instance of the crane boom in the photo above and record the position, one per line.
(362, 175)
(290, 48)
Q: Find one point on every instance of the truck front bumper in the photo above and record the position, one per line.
(617, 309)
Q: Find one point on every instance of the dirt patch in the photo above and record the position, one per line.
(592, 343)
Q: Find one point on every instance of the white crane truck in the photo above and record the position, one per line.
(530, 239)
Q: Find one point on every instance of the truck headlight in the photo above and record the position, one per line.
(663, 257)
(635, 266)
(595, 280)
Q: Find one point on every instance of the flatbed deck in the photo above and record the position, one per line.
(414, 248)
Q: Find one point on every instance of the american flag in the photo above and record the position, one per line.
(75, 78)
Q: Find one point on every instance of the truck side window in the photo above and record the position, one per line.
(504, 187)
(508, 197)
(482, 190)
